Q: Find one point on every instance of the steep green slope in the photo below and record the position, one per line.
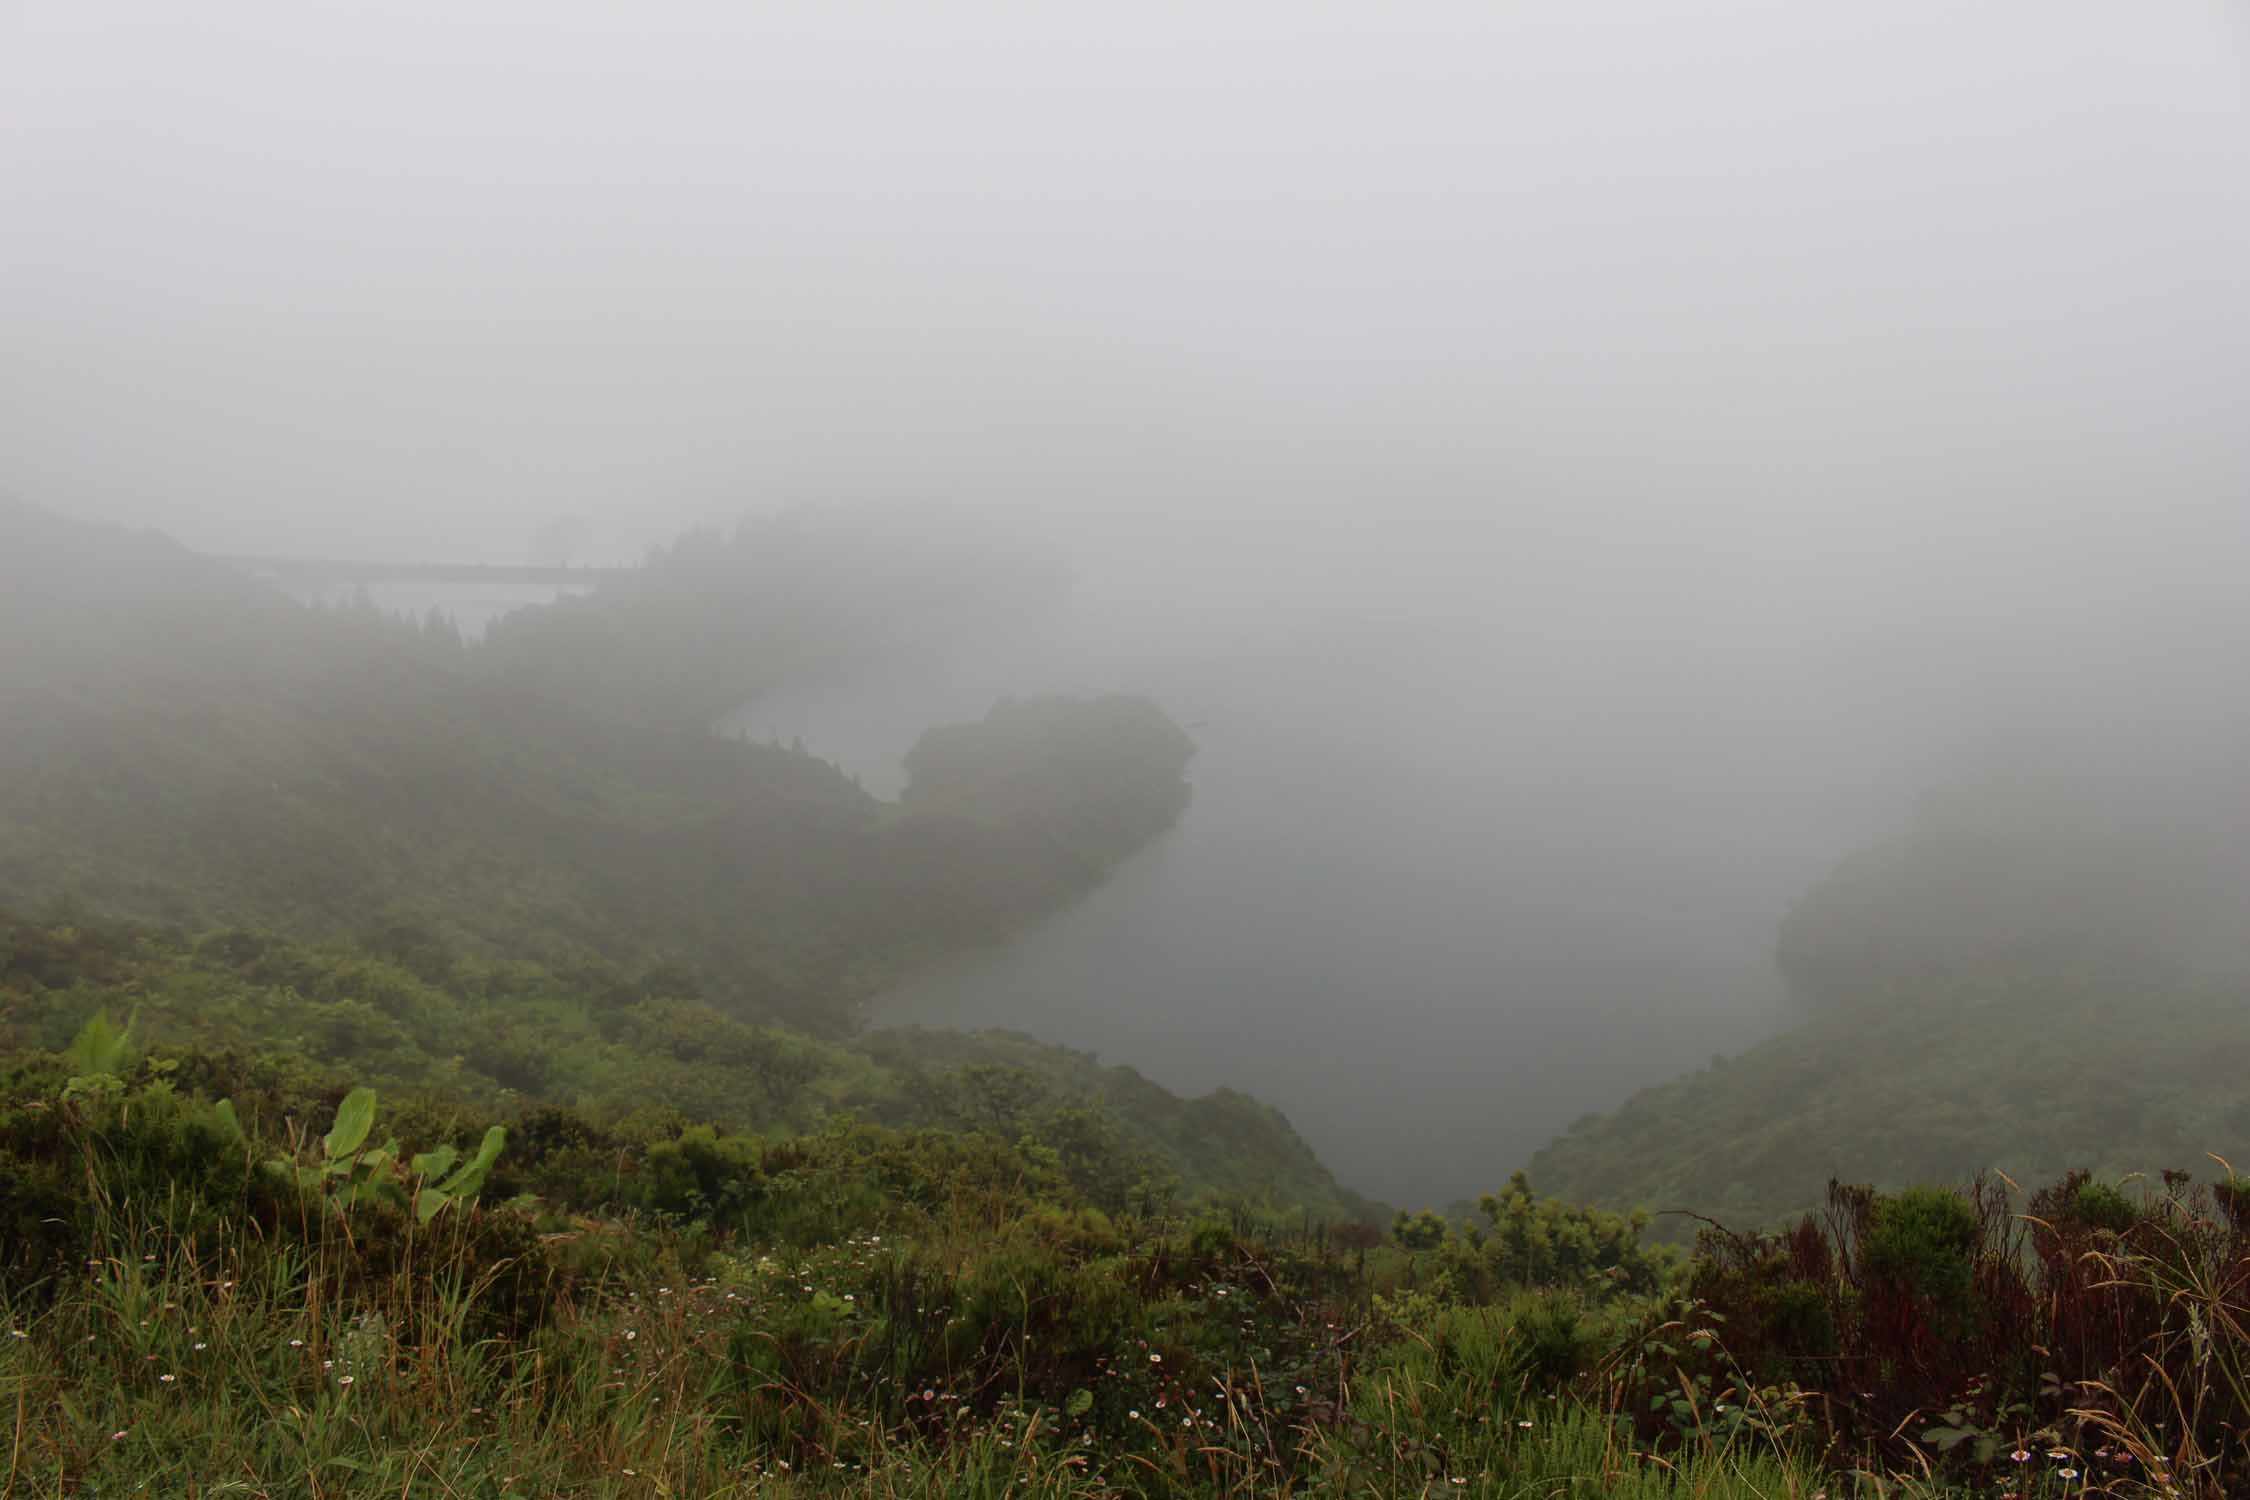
(2031, 1078)
(2032, 980)
(1224, 1142)
(380, 855)
(184, 745)
(637, 1058)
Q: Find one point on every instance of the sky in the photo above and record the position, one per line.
(1591, 462)
(392, 278)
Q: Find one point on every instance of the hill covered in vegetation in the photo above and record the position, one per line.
(2032, 1078)
(2022, 983)
(186, 746)
(211, 1282)
(635, 1061)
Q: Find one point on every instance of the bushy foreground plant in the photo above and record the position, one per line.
(2092, 1337)
(210, 1300)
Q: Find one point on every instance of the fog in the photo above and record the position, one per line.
(1581, 468)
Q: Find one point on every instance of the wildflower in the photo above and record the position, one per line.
(1135, 1414)
(118, 1436)
(2058, 1453)
(296, 1343)
(1300, 1390)
(630, 1335)
(1156, 1359)
(1525, 1423)
(201, 1347)
(167, 1378)
(17, 1333)
(2021, 1456)
(343, 1380)
(2066, 1473)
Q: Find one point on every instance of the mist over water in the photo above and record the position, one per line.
(1578, 471)
(1406, 930)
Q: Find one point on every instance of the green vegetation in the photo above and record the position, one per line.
(2031, 1079)
(491, 1117)
(2011, 987)
(202, 1302)
(615, 1060)
(190, 748)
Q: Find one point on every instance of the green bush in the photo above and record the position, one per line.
(2103, 1206)
(1925, 1240)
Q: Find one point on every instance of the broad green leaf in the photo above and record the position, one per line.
(464, 1183)
(1081, 1401)
(436, 1163)
(227, 1121)
(354, 1118)
(428, 1203)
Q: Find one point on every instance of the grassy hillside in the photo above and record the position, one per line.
(363, 852)
(186, 746)
(210, 1285)
(2025, 982)
(632, 1059)
(2028, 1077)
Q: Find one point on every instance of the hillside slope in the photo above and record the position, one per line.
(639, 1059)
(2035, 979)
(2030, 1078)
(184, 745)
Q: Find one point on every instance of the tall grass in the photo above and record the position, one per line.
(269, 1363)
(187, 1322)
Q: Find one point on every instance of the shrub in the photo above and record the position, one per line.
(1924, 1240)
(2104, 1207)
